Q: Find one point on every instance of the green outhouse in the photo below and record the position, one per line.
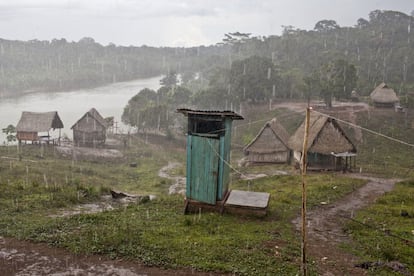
(208, 154)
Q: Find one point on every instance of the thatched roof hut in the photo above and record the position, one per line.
(90, 129)
(270, 145)
(384, 96)
(32, 123)
(327, 144)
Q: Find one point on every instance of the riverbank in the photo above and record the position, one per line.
(109, 100)
(17, 94)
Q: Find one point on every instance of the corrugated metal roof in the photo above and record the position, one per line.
(216, 113)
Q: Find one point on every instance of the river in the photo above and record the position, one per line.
(109, 100)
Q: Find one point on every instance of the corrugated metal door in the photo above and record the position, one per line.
(203, 170)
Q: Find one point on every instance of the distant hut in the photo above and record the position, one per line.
(354, 96)
(90, 130)
(384, 96)
(270, 145)
(329, 148)
(36, 127)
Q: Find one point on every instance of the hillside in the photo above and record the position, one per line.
(380, 48)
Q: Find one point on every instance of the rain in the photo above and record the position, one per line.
(186, 138)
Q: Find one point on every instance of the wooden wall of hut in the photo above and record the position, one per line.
(88, 132)
(27, 136)
(274, 157)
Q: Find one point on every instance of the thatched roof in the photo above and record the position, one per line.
(325, 137)
(269, 138)
(384, 94)
(38, 121)
(95, 115)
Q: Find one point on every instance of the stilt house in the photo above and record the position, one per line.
(208, 154)
(270, 145)
(329, 148)
(36, 127)
(384, 96)
(90, 130)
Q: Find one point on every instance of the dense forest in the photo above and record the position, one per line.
(297, 64)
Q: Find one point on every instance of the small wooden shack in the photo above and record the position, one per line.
(329, 148)
(90, 130)
(270, 145)
(354, 96)
(384, 96)
(208, 154)
(36, 127)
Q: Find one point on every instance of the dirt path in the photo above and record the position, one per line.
(178, 187)
(25, 258)
(325, 227)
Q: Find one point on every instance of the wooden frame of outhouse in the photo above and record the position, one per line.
(208, 155)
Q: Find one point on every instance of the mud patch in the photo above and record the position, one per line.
(251, 176)
(107, 203)
(26, 258)
(83, 153)
(325, 227)
(179, 182)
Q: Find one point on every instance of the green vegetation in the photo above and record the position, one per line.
(376, 49)
(385, 230)
(10, 131)
(155, 232)
(381, 156)
(243, 72)
(50, 171)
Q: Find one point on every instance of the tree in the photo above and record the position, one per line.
(253, 78)
(362, 23)
(137, 104)
(311, 85)
(178, 95)
(10, 131)
(211, 98)
(289, 30)
(326, 25)
(170, 79)
(236, 38)
(336, 79)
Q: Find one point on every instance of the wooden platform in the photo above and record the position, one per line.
(244, 202)
(235, 202)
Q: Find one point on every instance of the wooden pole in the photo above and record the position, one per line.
(304, 161)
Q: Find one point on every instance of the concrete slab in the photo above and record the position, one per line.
(248, 199)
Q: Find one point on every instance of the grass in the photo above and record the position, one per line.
(382, 234)
(157, 233)
(53, 171)
(381, 156)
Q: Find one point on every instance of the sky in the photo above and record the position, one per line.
(177, 23)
